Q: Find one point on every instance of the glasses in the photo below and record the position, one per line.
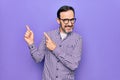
(66, 21)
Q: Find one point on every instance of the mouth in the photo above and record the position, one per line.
(68, 28)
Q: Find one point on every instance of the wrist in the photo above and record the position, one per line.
(29, 43)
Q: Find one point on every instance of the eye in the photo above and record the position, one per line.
(65, 19)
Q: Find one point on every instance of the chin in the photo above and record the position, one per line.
(68, 31)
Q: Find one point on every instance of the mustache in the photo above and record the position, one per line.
(69, 26)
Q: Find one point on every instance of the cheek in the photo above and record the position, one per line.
(63, 25)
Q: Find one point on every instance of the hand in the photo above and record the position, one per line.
(29, 36)
(49, 43)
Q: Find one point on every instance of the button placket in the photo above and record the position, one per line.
(56, 76)
(57, 65)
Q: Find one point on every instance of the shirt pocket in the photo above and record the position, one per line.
(69, 48)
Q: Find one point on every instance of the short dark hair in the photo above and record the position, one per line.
(63, 9)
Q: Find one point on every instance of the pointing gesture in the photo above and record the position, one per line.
(27, 27)
(47, 37)
(49, 43)
(29, 36)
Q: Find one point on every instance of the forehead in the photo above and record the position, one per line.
(67, 14)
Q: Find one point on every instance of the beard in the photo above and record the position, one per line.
(67, 29)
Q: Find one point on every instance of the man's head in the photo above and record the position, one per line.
(66, 18)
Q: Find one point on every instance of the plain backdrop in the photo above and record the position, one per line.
(98, 22)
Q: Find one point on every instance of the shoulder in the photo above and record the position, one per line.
(76, 35)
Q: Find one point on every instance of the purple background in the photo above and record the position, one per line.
(98, 21)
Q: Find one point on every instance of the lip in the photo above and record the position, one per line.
(68, 28)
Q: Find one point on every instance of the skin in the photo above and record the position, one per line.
(64, 28)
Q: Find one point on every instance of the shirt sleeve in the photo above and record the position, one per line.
(70, 61)
(38, 53)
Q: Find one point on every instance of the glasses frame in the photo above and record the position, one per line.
(66, 21)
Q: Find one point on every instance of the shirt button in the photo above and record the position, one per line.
(58, 61)
(60, 45)
(57, 69)
(56, 76)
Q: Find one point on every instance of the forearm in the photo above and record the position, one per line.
(36, 53)
(70, 59)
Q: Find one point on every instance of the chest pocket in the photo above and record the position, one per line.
(69, 48)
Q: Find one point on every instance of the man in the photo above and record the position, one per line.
(60, 49)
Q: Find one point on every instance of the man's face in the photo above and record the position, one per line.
(66, 21)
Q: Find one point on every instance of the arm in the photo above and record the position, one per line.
(38, 54)
(70, 61)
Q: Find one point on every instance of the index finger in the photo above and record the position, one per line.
(28, 28)
(47, 36)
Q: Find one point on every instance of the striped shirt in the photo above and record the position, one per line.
(61, 63)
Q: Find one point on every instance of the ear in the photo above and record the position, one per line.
(58, 20)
